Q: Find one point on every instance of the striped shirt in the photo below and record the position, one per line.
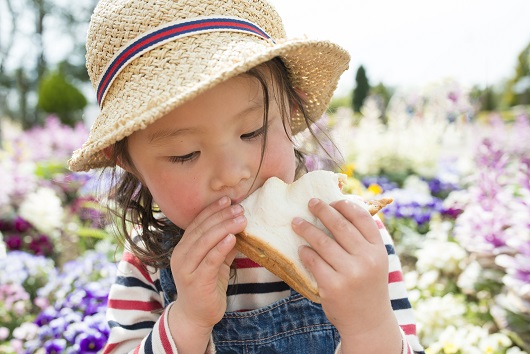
(138, 320)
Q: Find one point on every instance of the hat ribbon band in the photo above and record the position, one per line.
(169, 32)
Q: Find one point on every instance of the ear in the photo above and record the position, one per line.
(109, 154)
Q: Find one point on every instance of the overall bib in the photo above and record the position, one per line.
(290, 325)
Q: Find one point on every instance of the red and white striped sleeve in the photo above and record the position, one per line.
(135, 313)
(398, 297)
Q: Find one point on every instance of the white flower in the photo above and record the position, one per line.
(26, 331)
(4, 333)
(3, 248)
(470, 277)
(435, 314)
(416, 184)
(470, 339)
(457, 200)
(43, 210)
(446, 257)
(8, 181)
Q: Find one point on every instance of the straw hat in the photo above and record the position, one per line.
(146, 57)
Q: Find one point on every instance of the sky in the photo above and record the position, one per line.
(401, 43)
(412, 43)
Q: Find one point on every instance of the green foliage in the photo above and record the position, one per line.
(382, 91)
(517, 90)
(362, 88)
(338, 102)
(58, 96)
(486, 99)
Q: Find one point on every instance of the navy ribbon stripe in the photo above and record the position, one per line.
(400, 304)
(169, 32)
(132, 327)
(257, 288)
(134, 282)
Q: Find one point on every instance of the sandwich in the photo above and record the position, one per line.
(269, 239)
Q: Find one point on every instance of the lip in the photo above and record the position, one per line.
(237, 200)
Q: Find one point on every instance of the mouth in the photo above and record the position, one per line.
(237, 200)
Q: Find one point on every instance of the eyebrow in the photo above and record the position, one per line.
(163, 134)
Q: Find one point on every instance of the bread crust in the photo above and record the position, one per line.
(283, 267)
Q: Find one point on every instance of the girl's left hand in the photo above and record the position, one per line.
(351, 269)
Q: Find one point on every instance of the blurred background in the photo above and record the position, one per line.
(433, 112)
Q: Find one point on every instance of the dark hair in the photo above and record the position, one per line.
(134, 204)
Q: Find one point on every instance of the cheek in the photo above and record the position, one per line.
(179, 199)
(279, 160)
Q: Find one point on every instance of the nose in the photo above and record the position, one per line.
(230, 168)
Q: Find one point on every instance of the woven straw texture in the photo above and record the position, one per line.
(158, 81)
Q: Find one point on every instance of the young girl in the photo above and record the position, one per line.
(200, 101)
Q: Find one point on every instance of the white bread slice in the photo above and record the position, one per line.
(269, 239)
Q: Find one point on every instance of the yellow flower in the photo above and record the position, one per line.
(353, 186)
(348, 169)
(450, 348)
(375, 188)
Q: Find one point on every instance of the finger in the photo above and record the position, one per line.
(326, 247)
(198, 246)
(215, 261)
(230, 257)
(361, 219)
(213, 214)
(342, 229)
(196, 230)
(315, 264)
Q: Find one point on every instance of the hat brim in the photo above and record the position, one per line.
(161, 80)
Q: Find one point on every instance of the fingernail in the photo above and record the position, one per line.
(237, 209)
(313, 202)
(297, 221)
(228, 238)
(224, 200)
(240, 219)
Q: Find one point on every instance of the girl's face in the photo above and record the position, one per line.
(211, 147)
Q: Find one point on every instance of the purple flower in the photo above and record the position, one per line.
(55, 346)
(46, 316)
(58, 326)
(382, 181)
(90, 341)
(497, 207)
(41, 245)
(14, 242)
(21, 225)
(53, 140)
(74, 329)
(517, 269)
(418, 208)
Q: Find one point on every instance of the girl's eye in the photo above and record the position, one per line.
(184, 158)
(255, 133)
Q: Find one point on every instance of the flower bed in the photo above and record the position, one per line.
(460, 220)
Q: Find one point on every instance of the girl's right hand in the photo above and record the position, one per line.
(200, 264)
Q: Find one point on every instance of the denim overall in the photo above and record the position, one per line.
(291, 325)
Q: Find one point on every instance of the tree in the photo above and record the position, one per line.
(361, 90)
(518, 87)
(484, 99)
(58, 96)
(385, 93)
(24, 57)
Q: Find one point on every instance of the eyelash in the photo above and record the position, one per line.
(190, 157)
(184, 158)
(256, 133)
